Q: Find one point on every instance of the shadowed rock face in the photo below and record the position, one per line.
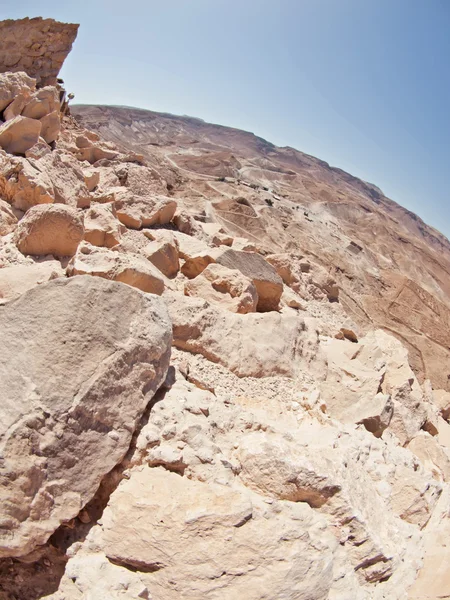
(37, 46)
(392, 269)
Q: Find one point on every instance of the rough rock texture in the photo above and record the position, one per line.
(128, 269)
(8, 219)
(36, 46)
(16, 280)
(15, 85)
(19, 134)
(267, 282)
(228, 287)
(101, 227)
(77, 373)
(50, 229)
(253, 345)
(141, 212)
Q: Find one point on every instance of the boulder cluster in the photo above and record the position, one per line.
(185, 414)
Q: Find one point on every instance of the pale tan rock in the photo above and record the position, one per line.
(129, 269)
(291, 299)
(101, 227)
(143, 211)
(244, 245)
(414, 497)
(252, 345)
(43, 102)
(441, 399)
(22, 184)
(275, 469)
(68, 413)
(40, 149)
(66, 177)
(287, 268)
(51, 126)
(12, 85)
(37, 46)
(322, 280)
(249, 557)
(197, 255)
(16, 280)
(268, 283)
(164, 255)
(19, 134)
(15, 108)
(432, 455)
(228, 287)
(91, 178)
(8, 219)
(49, 229)
(187, 225)
(433, 580)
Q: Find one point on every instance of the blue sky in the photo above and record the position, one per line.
(362, 84)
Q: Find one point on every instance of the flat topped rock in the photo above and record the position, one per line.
(36, 46)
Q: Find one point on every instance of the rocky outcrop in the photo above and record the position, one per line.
(50, 229)
(298, 445)
(78, 372)
(36, 46)
(129, 269)
(227, 287)
(252, 345)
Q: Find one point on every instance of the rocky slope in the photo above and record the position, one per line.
(224, 365)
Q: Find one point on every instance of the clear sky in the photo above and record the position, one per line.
(362, 84)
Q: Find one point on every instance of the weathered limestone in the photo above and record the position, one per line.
(13, 85)
(19, 134)
(132, 270)
(268, 283)
(252, 345)
(228, 287)
(77, 370)
(138, 212)
(36, 46)
(8, 219)
(101, 227)
(18, 279)
(49, 229)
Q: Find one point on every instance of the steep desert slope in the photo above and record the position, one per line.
(200, 393)
(393, 269)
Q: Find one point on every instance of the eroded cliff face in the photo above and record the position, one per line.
(210, 386)
(36, 46)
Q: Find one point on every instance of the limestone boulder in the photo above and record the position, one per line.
(441, 399)
(42, 102)
(8, 219)
(144, 211)
(250, 540)
(77, 371)
(16, 280)
(287, 267)
(273, 468)
(19, 134)
(252, 345)
(49, 229)
(227, 287)
(101, 227)
(132, 270)
(40, 149)
(22, 184)
(14, 84)
(51, 126)
(434, 456)
(268, 283)
(164, 255)
(196, 253)
(15, 108)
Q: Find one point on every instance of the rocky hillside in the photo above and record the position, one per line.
(224, 368)
(393, 270)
